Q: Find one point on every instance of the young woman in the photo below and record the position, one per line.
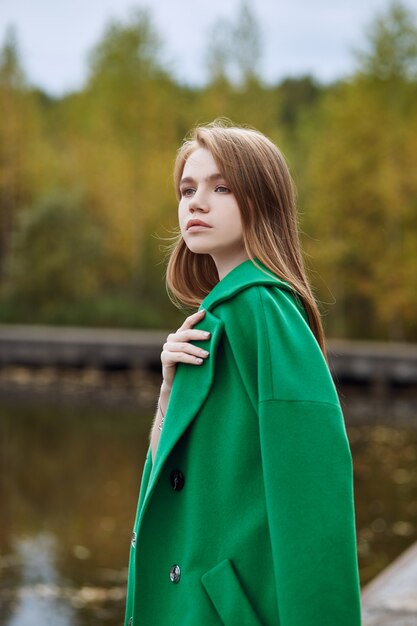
(246, 510)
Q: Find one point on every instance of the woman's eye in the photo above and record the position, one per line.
(187, 193)
(222, 189)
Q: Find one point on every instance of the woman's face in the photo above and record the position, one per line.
(206, 196)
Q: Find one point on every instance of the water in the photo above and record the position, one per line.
(385, 470)
(69, 480)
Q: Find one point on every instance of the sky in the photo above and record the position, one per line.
(298, 36)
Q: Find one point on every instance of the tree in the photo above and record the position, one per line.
(127, 52)
(123, 133)
(219, 52)
(56, 253)
(360, 200)
(247, 44)
(234, 49)
(18, 133)
(391, 51)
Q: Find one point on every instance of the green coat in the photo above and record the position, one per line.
(246, 516)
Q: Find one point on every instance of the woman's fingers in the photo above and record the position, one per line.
(190, 334)
(180, 357)
(183, 346)
(186, 332)
(177, 348)
(192, 319)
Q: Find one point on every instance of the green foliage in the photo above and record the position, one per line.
(55, 254)
(296, 96)
(97, 256)
(362, 210)
(126, 52)
(11, 71)
(21, 171)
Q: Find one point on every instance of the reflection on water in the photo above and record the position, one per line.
(69, 480)
(42, 594)
(39, 599)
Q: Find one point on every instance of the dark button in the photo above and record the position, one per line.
(133, 539)
(175, 574)
(177, 480)
(130, 622)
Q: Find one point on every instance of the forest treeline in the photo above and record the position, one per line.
(86, 196)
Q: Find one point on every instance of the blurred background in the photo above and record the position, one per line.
(94, 102)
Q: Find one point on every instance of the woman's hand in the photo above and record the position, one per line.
(177, 349)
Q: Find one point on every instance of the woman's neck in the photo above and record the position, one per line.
(226, 265)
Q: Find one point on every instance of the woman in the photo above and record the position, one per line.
(246, 510)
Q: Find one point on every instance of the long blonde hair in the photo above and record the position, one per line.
(259, 178)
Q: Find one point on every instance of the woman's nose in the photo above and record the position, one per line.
(199, 200)
(198, 203)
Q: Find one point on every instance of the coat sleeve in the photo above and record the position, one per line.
(306, 464)
(308, 486)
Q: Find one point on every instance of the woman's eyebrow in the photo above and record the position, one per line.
(189, 179)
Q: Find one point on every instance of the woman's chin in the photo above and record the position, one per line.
(198, 249)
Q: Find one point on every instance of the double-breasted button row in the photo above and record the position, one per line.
(177, 479)
(175, 574)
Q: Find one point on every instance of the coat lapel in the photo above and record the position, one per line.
(192, 383)
(189, 391)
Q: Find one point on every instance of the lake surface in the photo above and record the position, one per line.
(68, 490)
(69, 480)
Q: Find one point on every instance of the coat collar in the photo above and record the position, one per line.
(240, 277)
(192, 383)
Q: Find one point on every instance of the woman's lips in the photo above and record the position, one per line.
(196, 225)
